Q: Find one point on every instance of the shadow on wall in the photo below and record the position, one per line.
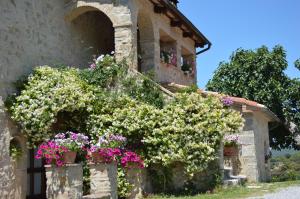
(95, 33)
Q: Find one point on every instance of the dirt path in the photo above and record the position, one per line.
(286, 193)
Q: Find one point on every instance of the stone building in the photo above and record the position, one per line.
(150, 34)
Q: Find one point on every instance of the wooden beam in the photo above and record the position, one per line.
(160, 9)
(199, 44)
(176, 23)
(187, 34)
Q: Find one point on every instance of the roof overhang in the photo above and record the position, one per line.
(177, 19)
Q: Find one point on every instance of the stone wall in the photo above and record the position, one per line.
(254, 147)
(174, 180)
(64, 182)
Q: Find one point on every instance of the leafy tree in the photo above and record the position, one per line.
(259, 75)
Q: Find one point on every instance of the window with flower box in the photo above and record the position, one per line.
(168, 50)
(188, 64)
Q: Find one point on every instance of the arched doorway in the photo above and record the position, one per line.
(145, 42)
(95, 33)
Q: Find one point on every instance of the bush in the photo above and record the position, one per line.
(186, 129)
(285, 168)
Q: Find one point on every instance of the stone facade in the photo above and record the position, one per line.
(64, 182)
(254, 148)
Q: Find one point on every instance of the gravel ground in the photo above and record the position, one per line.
(287, 193)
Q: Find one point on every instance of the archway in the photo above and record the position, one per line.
(95, 32)
(145, 42)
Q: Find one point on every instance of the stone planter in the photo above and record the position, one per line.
(103, 180)
(64, 182)
(230, 151)
(134, 176)
(69, 157)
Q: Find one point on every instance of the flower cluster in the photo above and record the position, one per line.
(131, 160)
(98, 60)
(72, 141)
(52, 152)
(168, 57)
(110, 141)
(227, 101)
(107, 149)
(104, 155)
(231, 140)
(188, 66)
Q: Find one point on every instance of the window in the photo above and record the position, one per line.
(36, 177)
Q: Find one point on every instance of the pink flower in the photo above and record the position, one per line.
(59, 163)
(132, 160)
(40, 152)
(93, 66)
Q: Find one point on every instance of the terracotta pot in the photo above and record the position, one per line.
(69, 157)
(96, 158)
(230, 151)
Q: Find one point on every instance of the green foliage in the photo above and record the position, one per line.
(15, 151)
(190, 89)
(105, 73)
(285, 168)
(104, 99)
(144, 89)
(48, 92)
(297, 64)
(188, 129)
(124, 187)
(259, 75)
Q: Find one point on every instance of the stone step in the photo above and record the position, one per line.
(96, 196)
(231, 180)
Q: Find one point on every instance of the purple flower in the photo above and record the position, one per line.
(117, 138)
(74, 136)
(227, 101)
(60, 136)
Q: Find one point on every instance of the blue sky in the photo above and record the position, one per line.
(248, 24)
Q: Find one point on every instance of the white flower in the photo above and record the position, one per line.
(100, 59)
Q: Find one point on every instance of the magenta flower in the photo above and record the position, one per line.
(132, 160)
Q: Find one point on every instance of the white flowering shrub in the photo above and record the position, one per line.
(48, 92)
(187, 130)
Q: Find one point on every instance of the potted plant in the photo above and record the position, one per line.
(51, 152)
(231, 143)
(62, 149)
(73, 142)
(107, 149)
(131, 160)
